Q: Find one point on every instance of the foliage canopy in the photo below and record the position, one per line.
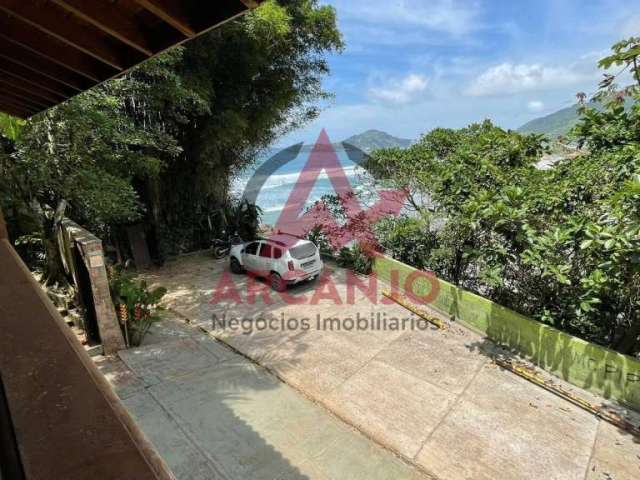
(161, 144)
(559, 243)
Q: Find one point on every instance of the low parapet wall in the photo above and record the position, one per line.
(586, 365)
(89, 248)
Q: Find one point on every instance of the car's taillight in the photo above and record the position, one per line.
(290, 265)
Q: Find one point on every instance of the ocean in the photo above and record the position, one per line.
(275, 192)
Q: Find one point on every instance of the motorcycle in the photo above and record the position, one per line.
(222, 246)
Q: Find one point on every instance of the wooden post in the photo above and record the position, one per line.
(3, 227)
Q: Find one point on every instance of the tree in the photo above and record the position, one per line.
(453, 175)
(85, 154)
(261, 77)
(161, 144)
(560, 244)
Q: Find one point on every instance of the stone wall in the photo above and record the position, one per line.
(72, 236)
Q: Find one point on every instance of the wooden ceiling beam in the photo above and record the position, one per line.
(251, 3)
(33, 78)
(15, 111)
(27, 100)
(18, 104)
(19, 70)
(28, 59)
(53, 21)
(50, 50)
(171, 12)
(15, 31)
(110, 19)
(226, 10)
(7, 82)
(15, 104)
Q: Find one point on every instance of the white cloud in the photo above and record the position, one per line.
(456, 17)
(401, 91)
(535, 105)
(508, 78)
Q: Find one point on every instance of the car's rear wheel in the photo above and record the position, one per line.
(235, 266)
(277, 283)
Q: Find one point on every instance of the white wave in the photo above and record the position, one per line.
(286, 179)
(273, 209)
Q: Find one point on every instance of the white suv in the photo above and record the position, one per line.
(283, 259)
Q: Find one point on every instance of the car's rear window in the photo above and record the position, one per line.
(303, 251)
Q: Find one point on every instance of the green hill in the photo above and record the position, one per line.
(553, 125)
(560, 122)
(375, 139)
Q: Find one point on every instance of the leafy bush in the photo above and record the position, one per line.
(362, 260)
(344, 258)
(355, 258)
(243, 217)
(136, 305)
(407, 239)
(318, 237)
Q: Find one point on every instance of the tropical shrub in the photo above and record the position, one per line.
(407, 239)
(344, 259)
(244, 218)
(357, 255)
(137, 306)
(319, 238)
(362, 259)
(355, 258)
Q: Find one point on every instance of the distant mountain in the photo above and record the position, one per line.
(560, 122)
(553, 125)
(375, 139)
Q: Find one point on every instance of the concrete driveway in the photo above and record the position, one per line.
(433, 397)
(213, 414)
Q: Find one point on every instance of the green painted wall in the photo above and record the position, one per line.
(584, 364)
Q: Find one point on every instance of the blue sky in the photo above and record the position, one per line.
(412, 65)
